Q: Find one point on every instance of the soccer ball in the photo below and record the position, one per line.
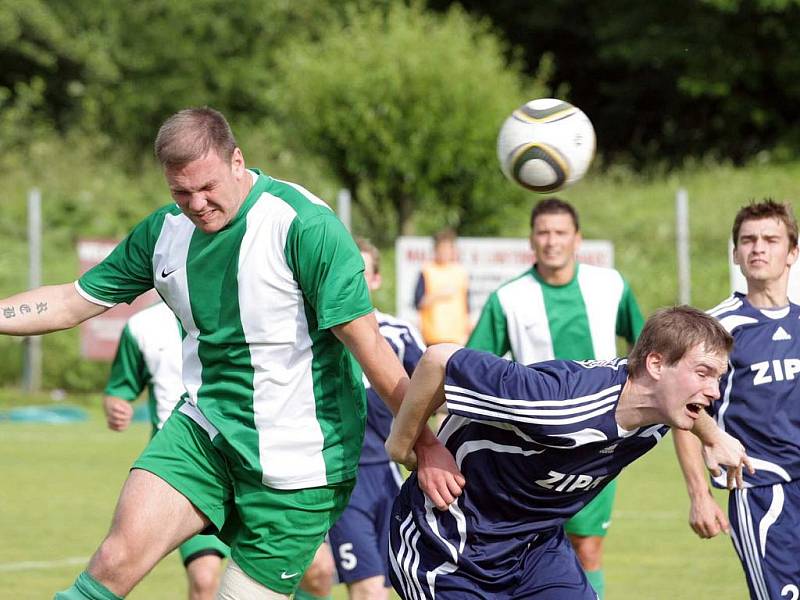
(546, 145)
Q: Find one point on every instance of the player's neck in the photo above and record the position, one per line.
(636, 407)
(767, 294)
(556, 276)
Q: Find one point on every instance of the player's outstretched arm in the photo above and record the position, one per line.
(720, 449)
(706, 518)
(45, 309)
(439, 476)
(437, 473)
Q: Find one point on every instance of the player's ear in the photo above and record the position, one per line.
(377, 281)
(654, 363)
(792, 258)
(237, 162)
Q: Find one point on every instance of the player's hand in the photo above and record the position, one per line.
(726, 451)
(119, 413)
(437, 473)
(706, 518)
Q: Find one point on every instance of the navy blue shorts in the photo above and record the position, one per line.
(765, 522)
(360, 537)
(548, 569)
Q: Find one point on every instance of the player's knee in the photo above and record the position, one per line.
(203, 582)
(589, 550)
(113, 556)
(318, 578)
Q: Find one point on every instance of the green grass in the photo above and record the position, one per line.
(60, 484)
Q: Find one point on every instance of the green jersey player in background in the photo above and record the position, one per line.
(149, 357)
(565, 310)
(269, 289)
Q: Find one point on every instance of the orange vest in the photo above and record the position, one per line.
(447, 319)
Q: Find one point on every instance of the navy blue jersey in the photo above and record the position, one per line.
(535, 443)
(759, 397)
(408, 345)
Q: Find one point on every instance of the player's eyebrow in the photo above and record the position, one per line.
(208, 184)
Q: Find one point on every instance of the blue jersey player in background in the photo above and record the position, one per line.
(361, 535)
(760, 405)
(535, 444)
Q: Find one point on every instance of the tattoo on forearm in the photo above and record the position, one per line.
(9, 312)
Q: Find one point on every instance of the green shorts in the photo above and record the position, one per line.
(202, 545)
(273, 534)
(594, 518)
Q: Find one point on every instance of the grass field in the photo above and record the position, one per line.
(60, 483)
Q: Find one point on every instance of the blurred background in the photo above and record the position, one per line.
(399, 103)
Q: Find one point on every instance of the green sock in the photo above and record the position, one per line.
(303, 595)
(87, 587)
(598, 581)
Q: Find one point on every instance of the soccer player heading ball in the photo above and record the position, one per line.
(535, 444)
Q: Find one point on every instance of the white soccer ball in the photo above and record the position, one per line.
(546, 145)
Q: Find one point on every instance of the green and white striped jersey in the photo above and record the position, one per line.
(256, 301)
(580, 320)
(149, 357)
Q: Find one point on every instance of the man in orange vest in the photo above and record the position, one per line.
(441, 296)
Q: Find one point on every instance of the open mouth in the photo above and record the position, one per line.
(694, 408)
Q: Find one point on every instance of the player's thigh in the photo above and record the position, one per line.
(765, 521)
(274, 534)
(360, 538)
(183, 455)
(594, 519)
(551, 571)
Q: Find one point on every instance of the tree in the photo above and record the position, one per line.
(405, 107)
(663, 81)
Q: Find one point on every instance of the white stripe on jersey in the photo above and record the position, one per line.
(478, 413)
(726, 400)
(729, 304)
(528, 329)
(602, 291)
(170, 252)
(284, 405)
(652, 431)
(747, 546)
(455, 389)
(492, 406)
(731, 322)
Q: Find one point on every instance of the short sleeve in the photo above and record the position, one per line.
(491, 331)
(129, 373)
(629, 318)
(127, 272)
(329, 269)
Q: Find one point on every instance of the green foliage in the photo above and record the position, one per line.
(665, 80)
(405, 107)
